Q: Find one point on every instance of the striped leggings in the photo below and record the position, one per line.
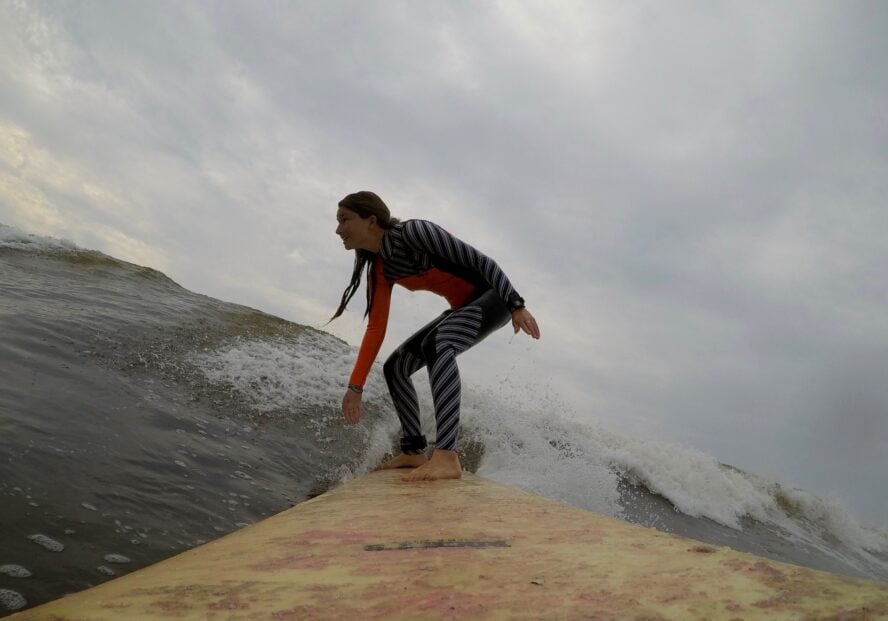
(436, 346)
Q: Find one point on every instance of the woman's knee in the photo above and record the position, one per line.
(389, 368)
(429, 347)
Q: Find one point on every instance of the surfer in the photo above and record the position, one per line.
(421, 256)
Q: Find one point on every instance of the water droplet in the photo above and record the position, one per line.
(12, 600)
(16, 571)
(50, 544)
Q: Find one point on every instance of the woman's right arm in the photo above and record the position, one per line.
(374, 335)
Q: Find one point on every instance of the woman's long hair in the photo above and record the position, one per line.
(365, 204)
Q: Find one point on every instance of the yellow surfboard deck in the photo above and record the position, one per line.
(378, 548)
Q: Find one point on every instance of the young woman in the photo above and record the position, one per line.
(420, 255)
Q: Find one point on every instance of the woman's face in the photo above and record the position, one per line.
(353, 229)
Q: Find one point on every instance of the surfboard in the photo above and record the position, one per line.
(379, 548)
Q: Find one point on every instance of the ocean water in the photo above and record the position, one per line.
(139, 419)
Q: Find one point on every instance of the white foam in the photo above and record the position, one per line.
(12, 600)
(307, 373)
(16, 239)
(831, 518)
(572, 455)
(15, 571)
(116, 558)
(693, 481)
(536, 451)
(47, 542)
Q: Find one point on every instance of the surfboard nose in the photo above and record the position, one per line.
(378, 548)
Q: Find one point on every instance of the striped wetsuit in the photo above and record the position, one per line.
(421, 256)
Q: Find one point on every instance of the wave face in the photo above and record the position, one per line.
(139, 419)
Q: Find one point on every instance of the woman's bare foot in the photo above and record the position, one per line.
(404, 461)
(442, 465)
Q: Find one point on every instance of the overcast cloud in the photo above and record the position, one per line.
(690, 195)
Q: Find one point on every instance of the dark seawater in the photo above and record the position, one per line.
(138, 419)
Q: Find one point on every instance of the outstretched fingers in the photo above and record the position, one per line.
(523, 320)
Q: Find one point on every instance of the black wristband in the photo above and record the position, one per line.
(355, 388)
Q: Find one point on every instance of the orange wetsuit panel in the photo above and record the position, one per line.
(454, 289)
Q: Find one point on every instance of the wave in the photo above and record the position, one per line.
(14, 239)
(212, 359)
(544, 448)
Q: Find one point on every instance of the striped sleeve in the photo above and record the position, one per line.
(428, 237)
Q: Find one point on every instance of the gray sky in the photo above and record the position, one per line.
(690, 195)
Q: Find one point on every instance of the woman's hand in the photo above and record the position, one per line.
(351, 406)
(523, 320)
